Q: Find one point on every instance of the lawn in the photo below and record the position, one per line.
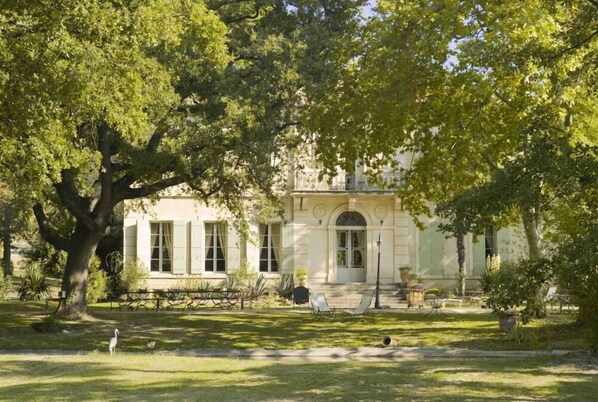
(132, 377)
(139, 373)
(284, 329)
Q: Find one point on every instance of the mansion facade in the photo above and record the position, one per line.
(339, 230)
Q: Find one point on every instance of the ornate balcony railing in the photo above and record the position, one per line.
(308, 180)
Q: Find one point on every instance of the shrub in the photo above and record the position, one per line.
(52, 261)
(231, 282)
(33, 285)
(5, 285)
(97, 282)
(284, 286)
(48, 325)
(515, 284)
(133, 275)
(190, 283)
(257, 287)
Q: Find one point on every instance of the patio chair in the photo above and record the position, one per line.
(364, 305)
(319, 305)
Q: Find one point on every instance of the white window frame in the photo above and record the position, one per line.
(162, 243)
(272, 255)
(217, 227)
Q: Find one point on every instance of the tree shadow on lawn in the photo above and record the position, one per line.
(168, 378)
(270, 331)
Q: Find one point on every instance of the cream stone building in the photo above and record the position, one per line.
(337, 229)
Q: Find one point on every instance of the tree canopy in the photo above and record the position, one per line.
(102, 102)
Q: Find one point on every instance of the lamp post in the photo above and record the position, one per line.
(377, 302)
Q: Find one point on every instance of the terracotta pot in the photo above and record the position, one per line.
(507, 322)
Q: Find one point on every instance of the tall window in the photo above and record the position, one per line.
(490, 240)
(161, 247)
(269, 247)
(215, 247)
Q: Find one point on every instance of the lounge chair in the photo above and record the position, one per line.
(319, 305)
(363, 306)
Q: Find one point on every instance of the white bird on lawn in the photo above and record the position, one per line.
(112, 346)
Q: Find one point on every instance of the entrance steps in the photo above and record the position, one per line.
(348, 295)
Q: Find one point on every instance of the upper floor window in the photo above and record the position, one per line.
(269, 247)
(215, 247)
(161, 247)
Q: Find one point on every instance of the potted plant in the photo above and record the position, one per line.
(301, 275)
(503, 286)
(404, 273)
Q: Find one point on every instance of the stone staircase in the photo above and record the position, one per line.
(348, 295)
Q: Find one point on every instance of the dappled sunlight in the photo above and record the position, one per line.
(145, 377)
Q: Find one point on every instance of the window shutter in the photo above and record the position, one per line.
(179, 247)
(503, 240)
(253, 247)
(130, 240)
(479, 256)
(197, 248)
(233, 252)
(425, 252)
(143, 242)
(436, 265)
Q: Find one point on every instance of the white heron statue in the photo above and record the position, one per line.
(112, 346)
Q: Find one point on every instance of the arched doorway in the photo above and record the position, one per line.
(350, 247)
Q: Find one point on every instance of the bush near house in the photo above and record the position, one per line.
(33, 286)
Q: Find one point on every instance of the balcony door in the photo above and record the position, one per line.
(350, 247)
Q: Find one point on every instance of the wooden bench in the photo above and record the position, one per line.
(175, 298)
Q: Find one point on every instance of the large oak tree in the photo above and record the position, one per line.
(106, 101)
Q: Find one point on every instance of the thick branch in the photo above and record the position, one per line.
(149, 189)
(49, 235)
(72, 201)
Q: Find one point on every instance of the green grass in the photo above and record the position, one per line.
(132, 377)
(277, 330)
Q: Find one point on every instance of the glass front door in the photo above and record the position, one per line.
(350, 255)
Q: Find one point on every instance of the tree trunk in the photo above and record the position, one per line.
(82, 246)
(461, 262)
(6, 253)
(532, 221)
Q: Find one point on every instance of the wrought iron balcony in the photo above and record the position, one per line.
(309, 180)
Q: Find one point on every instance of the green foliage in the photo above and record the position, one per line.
(301, 274)
(257, 287)
(49, 325)
(33, 285)
(436, 292)
(121, 100)
(231, 282)
(51, 260)
(133, 276)
(284, 286)
(123, 277)
(190, 283)
(517, 334)
(97, 282)
(515, 284)
(5, 285)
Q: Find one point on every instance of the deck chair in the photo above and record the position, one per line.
(363, 306)
(319, 305)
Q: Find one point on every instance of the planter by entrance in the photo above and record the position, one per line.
(507, 322)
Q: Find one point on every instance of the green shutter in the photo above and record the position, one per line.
(503, 242)
(179, 247)
(437, 251)
(143, 242)
(197, 248)
(479, 256)
(431, 251)
(425, 252)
